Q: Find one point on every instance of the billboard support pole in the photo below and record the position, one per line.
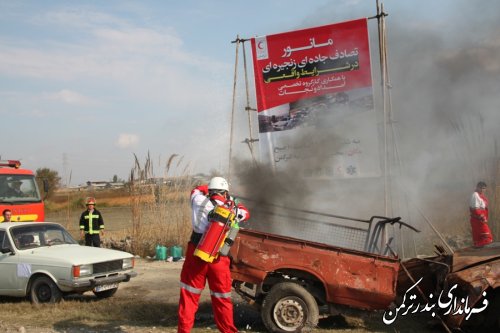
(237, 41)
(383, 78)
(249, 141)
(380, 21)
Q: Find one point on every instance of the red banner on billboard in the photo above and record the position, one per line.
(311, 62)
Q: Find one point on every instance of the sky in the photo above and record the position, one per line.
(86, 85)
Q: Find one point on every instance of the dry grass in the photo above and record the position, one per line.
(88, 314)
(63, 200)
(160, 212)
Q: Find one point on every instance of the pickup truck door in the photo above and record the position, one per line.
(9, 283)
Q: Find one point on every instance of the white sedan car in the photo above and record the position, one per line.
(42, 261)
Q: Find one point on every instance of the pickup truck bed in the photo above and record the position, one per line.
(289, 279)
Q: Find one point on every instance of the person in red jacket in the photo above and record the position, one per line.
(481, 234)
(195, 272)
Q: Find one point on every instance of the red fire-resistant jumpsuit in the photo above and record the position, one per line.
(196, 271)
(481, 234)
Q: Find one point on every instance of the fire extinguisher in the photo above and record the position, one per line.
(221, 219)
(229, 240)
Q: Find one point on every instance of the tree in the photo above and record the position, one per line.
(52, 178)
(117, 179)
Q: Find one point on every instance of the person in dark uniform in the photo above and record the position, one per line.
(91, 224)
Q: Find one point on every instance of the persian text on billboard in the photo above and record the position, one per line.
(305, 63)
(315, 101)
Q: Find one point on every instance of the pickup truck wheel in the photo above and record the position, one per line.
(288, 307)
(44, 290)
(105, 293)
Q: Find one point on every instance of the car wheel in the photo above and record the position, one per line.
(44, 290)
(105, 293)
(289, 307)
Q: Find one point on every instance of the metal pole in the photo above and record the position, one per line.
(380, 17)
(237, 41)
(434, 228)
(248, 109)
(382, 82)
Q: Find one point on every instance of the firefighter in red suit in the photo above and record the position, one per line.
(195, 271)
(481, 234)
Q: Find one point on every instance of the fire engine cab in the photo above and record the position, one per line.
(19, 193)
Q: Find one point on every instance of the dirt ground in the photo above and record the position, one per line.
(157, 286)
(159, 282)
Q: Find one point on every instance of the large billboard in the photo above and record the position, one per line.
(315, 100)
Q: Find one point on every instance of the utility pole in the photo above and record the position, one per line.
(65, 169)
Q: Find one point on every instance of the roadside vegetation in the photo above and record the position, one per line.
(51, 178)
(153, 206)
(160, 211)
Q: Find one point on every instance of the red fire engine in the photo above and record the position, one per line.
(19, 193)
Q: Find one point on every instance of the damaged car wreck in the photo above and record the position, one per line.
(462, 286)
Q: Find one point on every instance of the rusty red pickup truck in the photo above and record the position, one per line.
(289, 279)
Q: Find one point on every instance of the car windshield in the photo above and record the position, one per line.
(40, 235)
(18, 188)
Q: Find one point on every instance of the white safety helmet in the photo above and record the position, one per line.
(218, 184)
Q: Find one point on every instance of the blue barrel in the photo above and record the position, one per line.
(176, 252)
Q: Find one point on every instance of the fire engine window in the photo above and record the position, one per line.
(4, 187)
(19, 188)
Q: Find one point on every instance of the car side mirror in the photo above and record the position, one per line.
(6, 250)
